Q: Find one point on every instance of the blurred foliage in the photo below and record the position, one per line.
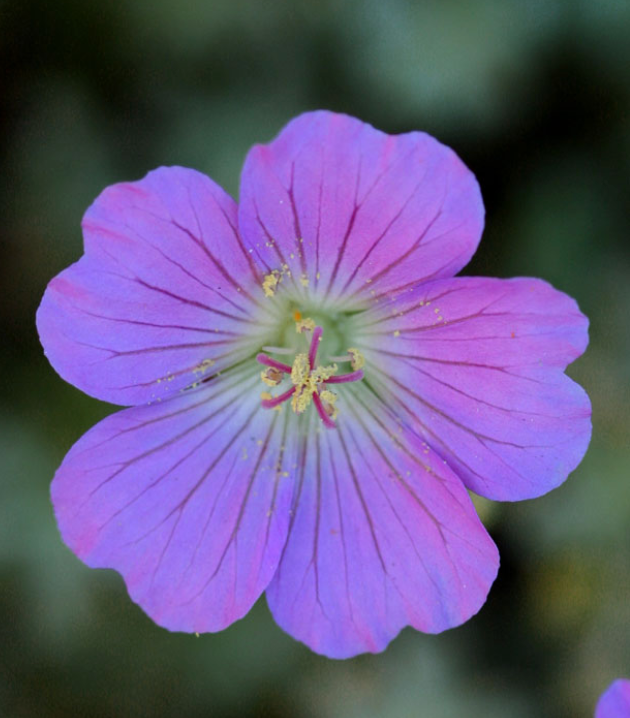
(535, 96)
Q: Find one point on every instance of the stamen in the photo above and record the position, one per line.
(341, 359)
(354, 356)
(353, 376)
(329, 399)
(328, 422)
(278, 350)
(268, 361)
(317, 337)
(271, 402)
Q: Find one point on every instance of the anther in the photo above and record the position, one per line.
(357, 360)
(304, 325)
(271, 376)
(328, 402)
(354, 356)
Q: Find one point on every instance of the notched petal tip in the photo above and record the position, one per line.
(357, 212)
(476, 366)
(163, 288)
(384, 535)
(188, 501)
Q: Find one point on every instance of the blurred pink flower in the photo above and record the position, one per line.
(615, 701)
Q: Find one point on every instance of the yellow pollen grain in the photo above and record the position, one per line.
(397, 333)
(265, 396)
(317, 275)
(301, 399)
(204, 366)
(304, 280)
(300, 369)
(357, 360)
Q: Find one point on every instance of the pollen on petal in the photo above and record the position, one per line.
(204, 366)
(270, 282)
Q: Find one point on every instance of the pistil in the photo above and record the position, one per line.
(309, 379)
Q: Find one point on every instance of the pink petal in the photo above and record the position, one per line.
(189, 500)
(162, 297)
(615, 702)
(476, 366)
(357, 212)
(383, 535)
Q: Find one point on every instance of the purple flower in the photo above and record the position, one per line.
(388, 389)
(615, 701)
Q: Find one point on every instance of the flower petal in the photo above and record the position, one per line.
(189, 500)
(161, 295)
(476, 366)
(615, 702)
(383, 535)
(353, 211)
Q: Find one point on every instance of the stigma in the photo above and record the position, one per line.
(309, 380)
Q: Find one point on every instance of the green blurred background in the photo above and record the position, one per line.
(535, 97)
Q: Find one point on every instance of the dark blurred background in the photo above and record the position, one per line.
(535, 97)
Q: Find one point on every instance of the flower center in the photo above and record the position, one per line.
(310, 380)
